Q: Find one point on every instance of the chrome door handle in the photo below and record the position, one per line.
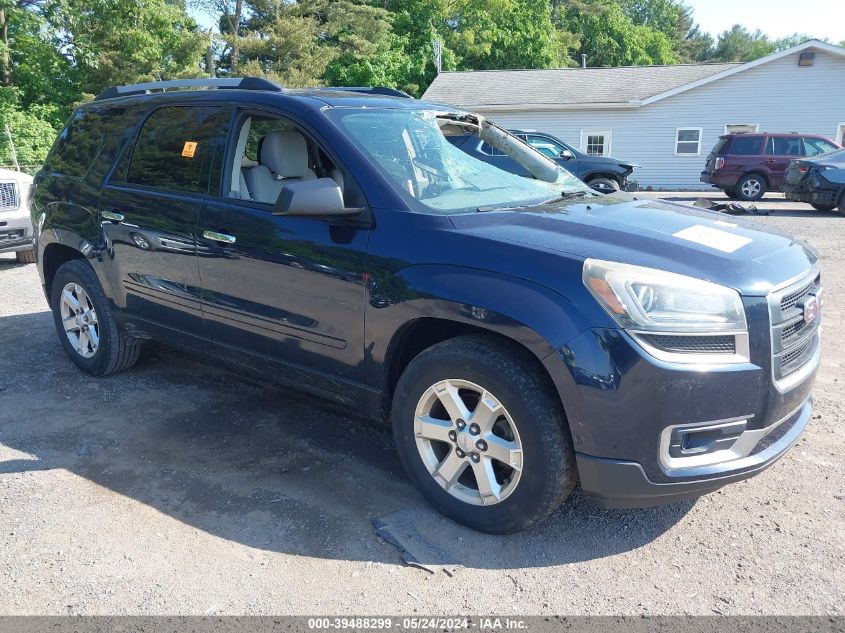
(214, 236)
(114, 216)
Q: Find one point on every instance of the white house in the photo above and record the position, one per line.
(665, 118)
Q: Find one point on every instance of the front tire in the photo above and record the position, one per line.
(604, 185)
(750, 187)
(823, 207)
(85, 323)
(482, 434)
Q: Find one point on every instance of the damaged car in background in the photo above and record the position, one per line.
(604, 174)
(818, 181)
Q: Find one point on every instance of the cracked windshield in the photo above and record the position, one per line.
(412, 151)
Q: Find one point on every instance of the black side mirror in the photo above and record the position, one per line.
(320, 197)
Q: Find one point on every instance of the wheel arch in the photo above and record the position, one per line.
(755, 172)
(592, 175)
(53, 256)
(532, 320)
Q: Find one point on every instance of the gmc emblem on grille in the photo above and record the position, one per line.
(811, 309)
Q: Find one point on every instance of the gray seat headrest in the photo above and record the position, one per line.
(286, 154)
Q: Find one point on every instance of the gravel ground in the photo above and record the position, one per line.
(182, 488)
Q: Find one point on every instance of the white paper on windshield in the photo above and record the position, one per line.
(713, 238)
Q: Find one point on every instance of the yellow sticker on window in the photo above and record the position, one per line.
(189, 149)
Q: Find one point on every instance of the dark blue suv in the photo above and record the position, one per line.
(522, 334)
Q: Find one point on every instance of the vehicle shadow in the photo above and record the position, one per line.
(246, 461)
(8, 263)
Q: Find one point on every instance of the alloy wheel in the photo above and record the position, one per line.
(79, 319)
(751, 188)
(468, 442)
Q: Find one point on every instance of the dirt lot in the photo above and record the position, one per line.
(180, 487)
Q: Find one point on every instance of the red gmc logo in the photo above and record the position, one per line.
(811, 309)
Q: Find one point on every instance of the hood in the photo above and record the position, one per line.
(739, 253)
(11, 174)
(833, 159)
(609, 160)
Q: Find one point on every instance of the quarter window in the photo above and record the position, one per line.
(83, 140)
(176, 149)
(688, 141)
(746, 145)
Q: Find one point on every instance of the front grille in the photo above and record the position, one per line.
(724, 344)
(794, 341)
(791, 332)
(791, 300)
(8, 195)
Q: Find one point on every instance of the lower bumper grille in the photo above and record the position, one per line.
(11, 236)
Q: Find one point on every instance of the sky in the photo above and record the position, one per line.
(776, 18)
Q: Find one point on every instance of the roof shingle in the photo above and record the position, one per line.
(564, 85)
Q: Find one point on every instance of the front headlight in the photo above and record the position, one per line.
(683, 318)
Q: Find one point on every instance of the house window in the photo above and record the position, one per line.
(688, 141)
(738, 128)
(596, 142)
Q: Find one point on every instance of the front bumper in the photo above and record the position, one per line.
(630, 185)
(646, 431)
(624, 484)
(16, 232)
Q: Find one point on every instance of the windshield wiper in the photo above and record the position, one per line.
(568, 195)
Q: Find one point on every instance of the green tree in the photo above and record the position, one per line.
(738, 44)
(112, 42)
(490, 34)
(610, 37)
(33, 134)
(302, 43)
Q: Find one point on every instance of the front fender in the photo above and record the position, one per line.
(532, 315)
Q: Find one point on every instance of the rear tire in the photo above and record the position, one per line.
(604, 185)
(25, 257)
(85, 322)
(750, 187)
(500, 388)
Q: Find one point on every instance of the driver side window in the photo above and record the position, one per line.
(546, 145)
(272, 152)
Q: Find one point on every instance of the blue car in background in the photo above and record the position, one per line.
(602, 173)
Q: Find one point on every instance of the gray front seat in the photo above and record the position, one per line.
(283, 159)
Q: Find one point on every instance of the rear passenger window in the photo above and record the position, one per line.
(784, 146)
(176, 149)
(84, 139)
(746, 145)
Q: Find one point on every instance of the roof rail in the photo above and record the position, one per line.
(243, 83)
(374, 90)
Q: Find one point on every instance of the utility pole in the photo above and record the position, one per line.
(12, 145)
(209, 54)
(437, 46)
